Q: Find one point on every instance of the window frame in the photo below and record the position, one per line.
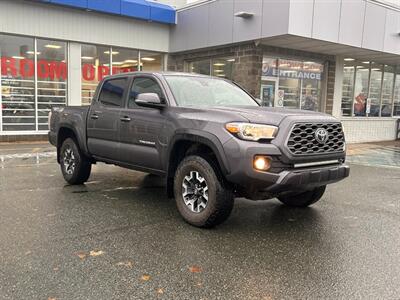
(164, 99)
(123, 98)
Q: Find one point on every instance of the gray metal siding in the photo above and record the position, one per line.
(352, 22)
(56, 22)
(326, 20)
(374, 27)
(357, 23)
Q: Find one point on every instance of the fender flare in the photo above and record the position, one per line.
(79, 138)
(202, 137)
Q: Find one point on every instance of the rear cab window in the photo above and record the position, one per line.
(112, 92)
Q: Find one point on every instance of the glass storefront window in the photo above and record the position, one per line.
(201, 67)
(311, 88)
(347, 88)
(291, 83)
(219, 67)
(396, 96)
(124, 60)
(387, 91)
(17, 84)
(95, 63)
(374, 99)
(375, 92)
(51, 78)
(361, 90)
(223, 67)
(150, 61)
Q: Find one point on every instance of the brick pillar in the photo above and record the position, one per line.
(248, 68)
(330, 86)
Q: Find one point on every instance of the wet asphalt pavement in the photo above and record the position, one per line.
(120, 237)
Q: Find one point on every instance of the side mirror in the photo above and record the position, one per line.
(149, 100)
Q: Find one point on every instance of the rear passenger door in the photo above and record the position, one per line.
(142, 137)
(103, 126)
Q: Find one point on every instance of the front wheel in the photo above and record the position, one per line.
(201, 196)
(303, 199)
(75, 166)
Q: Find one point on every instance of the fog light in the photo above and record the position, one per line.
(261, 163)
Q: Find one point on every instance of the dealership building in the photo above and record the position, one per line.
(341, 57)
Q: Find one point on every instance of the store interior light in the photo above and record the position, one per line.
(18, 57)
(53, 46)
(349, 59)
(365, 62)
(130, 61)
(118, 63)
(219, 64)
(113, 53)
(231, 60)
(32, 52)
(218, 71)
(87, 57)
(148, 59)
(375, 69)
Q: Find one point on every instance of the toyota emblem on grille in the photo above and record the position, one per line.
(321, 135)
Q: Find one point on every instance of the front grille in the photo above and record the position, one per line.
(302, 140)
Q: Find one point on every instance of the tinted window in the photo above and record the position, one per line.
(143, 85)
(112, 92)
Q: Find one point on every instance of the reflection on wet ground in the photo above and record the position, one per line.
(375, 155)
(120, 237)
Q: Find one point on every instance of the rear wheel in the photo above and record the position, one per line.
(75, 166)
(201, 196)
(303, 199)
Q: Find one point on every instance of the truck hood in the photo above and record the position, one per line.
(260, 115)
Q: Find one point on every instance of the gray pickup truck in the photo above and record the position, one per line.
(206, 136)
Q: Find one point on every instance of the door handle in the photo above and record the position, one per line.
(94, 116)
(125, 119)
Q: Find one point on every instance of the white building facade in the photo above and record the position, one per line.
(340, 57)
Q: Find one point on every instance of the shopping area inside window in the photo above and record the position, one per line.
(370, 89)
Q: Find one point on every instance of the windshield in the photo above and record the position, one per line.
(206, 91)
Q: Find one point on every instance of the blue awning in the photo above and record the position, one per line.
(139, 9)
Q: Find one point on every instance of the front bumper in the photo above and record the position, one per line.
(254, 184)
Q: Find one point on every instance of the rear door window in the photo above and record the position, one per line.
(112, 92)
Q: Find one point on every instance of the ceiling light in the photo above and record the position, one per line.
(365, 62)
(230, 60)
(18, 57)
(87, 57)
(53, 46)
(375, 69)
(130, 61)
(118, 63)
(219, 64)
(113, 53)
(349, 59)
(32, 53)
(148, 58)
(218, 71)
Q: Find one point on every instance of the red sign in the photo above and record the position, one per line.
(55, 70)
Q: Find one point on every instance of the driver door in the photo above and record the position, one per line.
(142, 128)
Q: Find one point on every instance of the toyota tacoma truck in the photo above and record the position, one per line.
(209, 139)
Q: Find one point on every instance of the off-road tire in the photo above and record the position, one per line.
(303, 199)
(83, 166)
(220, 196)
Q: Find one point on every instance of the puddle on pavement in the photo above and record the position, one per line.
(387, 156)
(27, 159)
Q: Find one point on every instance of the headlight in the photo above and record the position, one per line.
(252, 132)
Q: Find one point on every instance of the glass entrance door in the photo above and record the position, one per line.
(268, 92)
